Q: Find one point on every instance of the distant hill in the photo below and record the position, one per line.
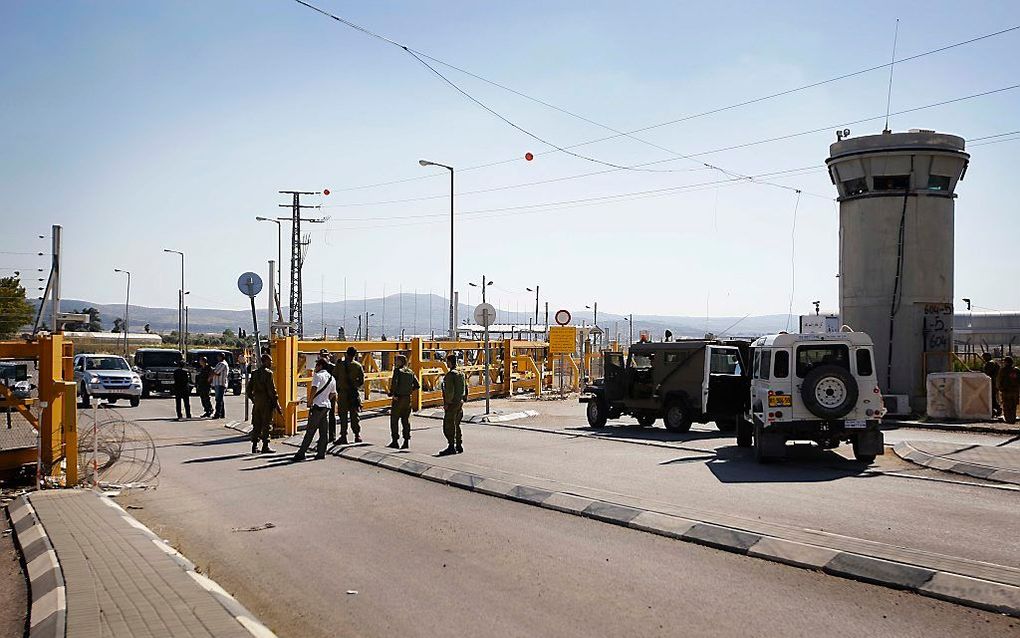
(419, 314)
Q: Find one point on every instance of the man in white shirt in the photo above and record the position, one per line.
(320, 398)
(221, 379)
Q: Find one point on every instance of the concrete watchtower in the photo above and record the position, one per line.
(896, 209)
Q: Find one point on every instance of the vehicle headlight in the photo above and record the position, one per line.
(136, 380)
(149, 374)
(93, 378)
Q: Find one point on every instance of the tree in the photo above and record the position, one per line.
(148, 329)
(228, 334)
(95, 323)
(118, 325)
(15, 311)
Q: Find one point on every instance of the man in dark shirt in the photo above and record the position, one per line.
(991, 368)
(203, 385)
(1009, 386)
(182, 389)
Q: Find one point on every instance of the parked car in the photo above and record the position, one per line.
(156, 367)
(106, 376)
(815, 387)
(682, 382)
(211, 354)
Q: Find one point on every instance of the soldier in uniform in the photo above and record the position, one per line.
(350, 377)
(454, 396)
(261, 392)
(1009, 389)
(991, 368)
(203, 385)
(402, 385)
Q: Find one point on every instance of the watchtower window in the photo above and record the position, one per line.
(938, 183)
(892, 182)
(855, 186)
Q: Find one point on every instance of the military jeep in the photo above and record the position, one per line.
(681, 382)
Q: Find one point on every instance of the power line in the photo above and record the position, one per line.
(422, 56)
(548, 206)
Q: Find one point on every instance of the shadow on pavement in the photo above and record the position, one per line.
(240, 438)
(803, 464)
(222, 457)
(638, 433)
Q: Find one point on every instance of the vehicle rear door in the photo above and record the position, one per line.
(725, 386)
(615, 376)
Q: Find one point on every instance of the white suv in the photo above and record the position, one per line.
(106, 376)
(815, 387)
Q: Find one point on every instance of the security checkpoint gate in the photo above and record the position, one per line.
(514, 366)
(53, 415)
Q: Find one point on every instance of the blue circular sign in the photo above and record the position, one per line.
(249, 284)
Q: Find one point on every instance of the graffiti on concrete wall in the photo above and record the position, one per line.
(938, 327)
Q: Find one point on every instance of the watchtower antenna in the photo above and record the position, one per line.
(892, 65)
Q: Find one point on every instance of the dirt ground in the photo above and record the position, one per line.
(13, 592)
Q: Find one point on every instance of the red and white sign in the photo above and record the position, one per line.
(562, 317)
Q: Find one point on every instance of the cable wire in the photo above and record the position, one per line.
(422, 56)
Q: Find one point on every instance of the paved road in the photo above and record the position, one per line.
(430, 560)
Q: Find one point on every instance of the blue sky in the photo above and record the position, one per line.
(142, 125)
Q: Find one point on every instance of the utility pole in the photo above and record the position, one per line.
(296, 312)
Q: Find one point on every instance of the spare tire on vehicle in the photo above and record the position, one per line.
(829, 392)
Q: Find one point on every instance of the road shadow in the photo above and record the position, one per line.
(240, 438)
(272, 461)
(638, 433)
(803, 464)
(213, 459)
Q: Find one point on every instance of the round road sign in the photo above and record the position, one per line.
(485, 314)
(249, 284)
(562, 317)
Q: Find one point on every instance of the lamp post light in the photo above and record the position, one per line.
(536, 301)
(127, 303)
(453, 331)
(966, 300)
(279, 252)
(180, 314)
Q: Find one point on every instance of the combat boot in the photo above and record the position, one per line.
(407, 444)
(448, 451)
(460, 449)
(394, 444)
(341, 441)
(357, 438)
(266, 449)
(254, 447)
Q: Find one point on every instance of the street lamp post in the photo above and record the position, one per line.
(180, 317)
(279, 253)
(367, 315)
(453, 331)
(536, 301)
(127, 304)
(595, 313)
(488, 362)
(630, 322)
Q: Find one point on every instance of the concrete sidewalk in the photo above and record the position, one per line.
(96, 571)
(981, 461)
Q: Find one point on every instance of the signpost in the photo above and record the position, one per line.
(562, 341)
(485, 314)
(250, 284)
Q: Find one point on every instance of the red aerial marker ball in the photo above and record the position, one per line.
(529, 156)
(325, 191)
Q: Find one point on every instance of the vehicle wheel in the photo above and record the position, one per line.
(135, 401)
(759, 448)
(86, 402)
(596, 413)
(237, 390)
(145, 391)
(646, 420)
(745, 433)
(829, 392)
(727, 424)
(867, 459)
(677, 417)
